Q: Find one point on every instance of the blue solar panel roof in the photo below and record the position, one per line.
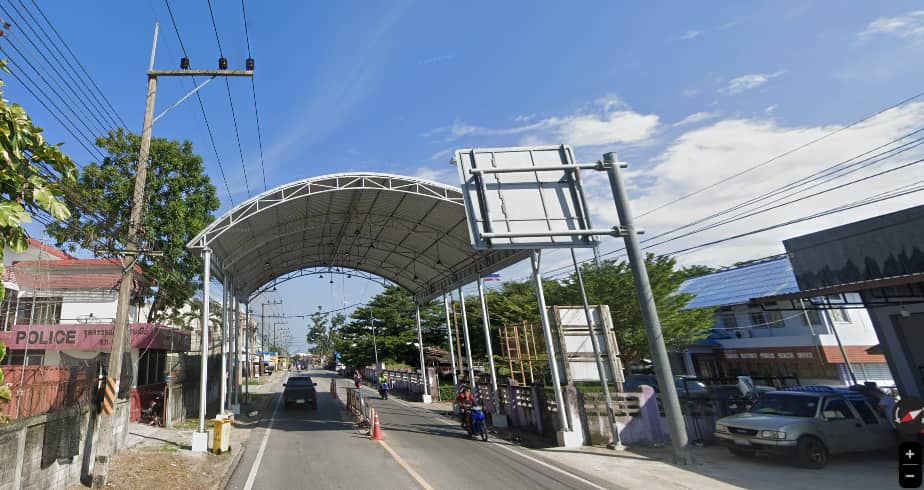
(739, 285)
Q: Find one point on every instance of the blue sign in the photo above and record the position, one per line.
(259, 353)
(337, 356)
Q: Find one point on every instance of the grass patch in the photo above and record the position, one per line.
(187, 424)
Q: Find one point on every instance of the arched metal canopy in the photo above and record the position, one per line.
(410, 231)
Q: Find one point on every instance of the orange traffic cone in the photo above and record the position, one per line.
(376, 428)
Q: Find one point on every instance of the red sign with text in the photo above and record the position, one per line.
(93, 337)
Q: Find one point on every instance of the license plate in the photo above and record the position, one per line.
(742, 443)
(300, 401)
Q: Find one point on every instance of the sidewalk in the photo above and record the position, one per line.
(160, 457)
(715, 468)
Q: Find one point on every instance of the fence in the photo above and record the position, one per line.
(404, 381)
(40, 389)
(358, 405)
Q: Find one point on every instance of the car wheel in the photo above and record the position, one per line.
(812, 453)
(742, 453)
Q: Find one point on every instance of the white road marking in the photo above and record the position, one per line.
(549, 466)
(256, 464)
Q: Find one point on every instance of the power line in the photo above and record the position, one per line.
(237, 133)
(205, 118)
(82, 98)
(215, 28)
(901, 191)
(781, 155)
(74, 56)
(253, 89)
(56, 112)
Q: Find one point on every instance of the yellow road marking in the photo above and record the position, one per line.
(423, 483)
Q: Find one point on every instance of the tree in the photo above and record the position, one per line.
(34, 177)
(179, 200)
(611, 284)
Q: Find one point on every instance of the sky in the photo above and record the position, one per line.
(686, 93)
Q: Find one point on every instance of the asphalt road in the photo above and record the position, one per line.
(322, 449)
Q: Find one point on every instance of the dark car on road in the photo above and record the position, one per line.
(687, 386)
(300, 390)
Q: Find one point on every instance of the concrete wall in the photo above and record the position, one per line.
(54, 450)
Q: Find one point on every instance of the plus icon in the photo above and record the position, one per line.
(910, 454)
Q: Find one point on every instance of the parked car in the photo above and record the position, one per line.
(808, 423)
(687, 386)
(300, 390)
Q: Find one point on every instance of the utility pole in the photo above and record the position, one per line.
(263, 332)
(120, 335)
(113, 375)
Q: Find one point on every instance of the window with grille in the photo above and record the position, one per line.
(39, 310)
(728, 320)
(813, 317)
(8, 309)
(758, 320)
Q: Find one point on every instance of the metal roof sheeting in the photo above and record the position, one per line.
(739, 285)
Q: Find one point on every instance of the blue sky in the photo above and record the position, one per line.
(686, 92)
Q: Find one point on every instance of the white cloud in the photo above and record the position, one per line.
(689, 92)
(908, 26)
(695, 118)
(445, 174)
(747, 82)
(524, 118)
(691, 34)
(703, 156)
(770, 109)
(602, 125)
(443, 154)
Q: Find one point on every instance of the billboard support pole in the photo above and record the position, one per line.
(615, 443)
(549, 344)
(678, 431)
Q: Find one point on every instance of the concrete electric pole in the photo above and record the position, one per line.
(120, 332)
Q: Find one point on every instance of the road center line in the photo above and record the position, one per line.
(423, 483)
(256, 463)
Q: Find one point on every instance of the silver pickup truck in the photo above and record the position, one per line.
(809, 423)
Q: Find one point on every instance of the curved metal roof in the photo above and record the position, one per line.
(407, 230)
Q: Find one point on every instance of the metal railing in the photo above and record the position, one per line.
(358, 405)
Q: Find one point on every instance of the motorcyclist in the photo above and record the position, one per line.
(466, 400)
(357, 378)
(383, 386)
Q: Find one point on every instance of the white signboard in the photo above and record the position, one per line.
(511, 206)
(574, 340)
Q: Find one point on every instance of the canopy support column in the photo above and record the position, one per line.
(427, 397)
(452, 354)
(468, 344)
(498, 419)
(200, 437)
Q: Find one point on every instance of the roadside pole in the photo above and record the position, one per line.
(671, 402)
(601, 369)
(468, 345)
(107, 418)
(452, 354)
(549, 343)
(498, 419)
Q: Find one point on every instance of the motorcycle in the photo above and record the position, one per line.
(153, 412)
(475, 423)
(383, 391)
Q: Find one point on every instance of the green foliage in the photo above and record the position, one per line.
(33, 179)
(395, 329)
(179, 200)
(611, 284)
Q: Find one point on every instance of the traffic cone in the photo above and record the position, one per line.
(376, 428)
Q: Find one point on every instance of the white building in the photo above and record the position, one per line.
(766, 341)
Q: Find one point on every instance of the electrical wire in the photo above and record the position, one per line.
(77, 60)
(781, 155)
(50, 67)
(205, 118)
(253, 89)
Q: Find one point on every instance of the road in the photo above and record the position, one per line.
(322, 449)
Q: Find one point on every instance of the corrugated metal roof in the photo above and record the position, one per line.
(739, 285)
